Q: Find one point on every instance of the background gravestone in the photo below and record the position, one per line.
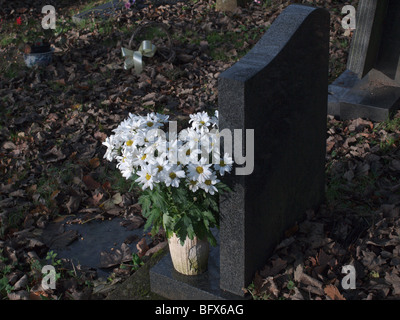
(370, 87)
(271, 91)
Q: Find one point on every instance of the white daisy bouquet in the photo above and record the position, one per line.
(179, 174)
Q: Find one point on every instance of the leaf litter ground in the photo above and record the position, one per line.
(54, 175)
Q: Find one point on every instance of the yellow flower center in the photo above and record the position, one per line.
(193, 182)
(208, 182)
(188, 152)
(150, 124)
(222, 163)
(202, 122)
(160, 168)
(144, 157)
(199, 170)
(129, 143)
(148, 177)
(172, 175)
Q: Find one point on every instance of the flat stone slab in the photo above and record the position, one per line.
(101, 11)
(137, 286)
(93, 238)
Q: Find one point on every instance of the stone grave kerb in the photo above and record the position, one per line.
(370, 87)
(279, 89)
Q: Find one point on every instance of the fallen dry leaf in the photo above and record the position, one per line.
(332, 292)
(156, 248)
(73, 204)
(115, 257)
(96, 198)
(94, 163)
(142, 247)
(91, 183)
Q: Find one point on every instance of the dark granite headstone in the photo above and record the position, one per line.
(370, 87)
(279, 89)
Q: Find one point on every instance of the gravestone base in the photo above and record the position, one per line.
(168, 283)
(375, 97)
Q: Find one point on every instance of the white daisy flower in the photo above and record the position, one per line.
(140, 146)
(186, 155)
(139, 138)
(200, 120)
(173, 176)
(142, 159)
(163, 118)
(147, 176)
(153, 121)
(199, 171)
(112, 148)
(214, 120)
(209, 184)
(224, 165)
(210, 143)
(126, 166)
(163, 167)
(193, 139)
(172, 148)
(193, 185)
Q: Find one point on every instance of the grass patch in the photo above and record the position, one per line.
(119, 183)
(12, 70)
(150, 33)
(7, 39)
(236, 40)
(52, 181)
(391, 125)
(336, 190)
(392, 139)
(222, 42)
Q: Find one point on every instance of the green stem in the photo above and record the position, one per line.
(171, 200)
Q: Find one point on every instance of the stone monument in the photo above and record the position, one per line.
(370, 87)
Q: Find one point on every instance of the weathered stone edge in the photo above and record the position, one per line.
(137, 286)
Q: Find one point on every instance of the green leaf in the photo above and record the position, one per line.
(211, 239)
(190, 232)
(167, 220)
